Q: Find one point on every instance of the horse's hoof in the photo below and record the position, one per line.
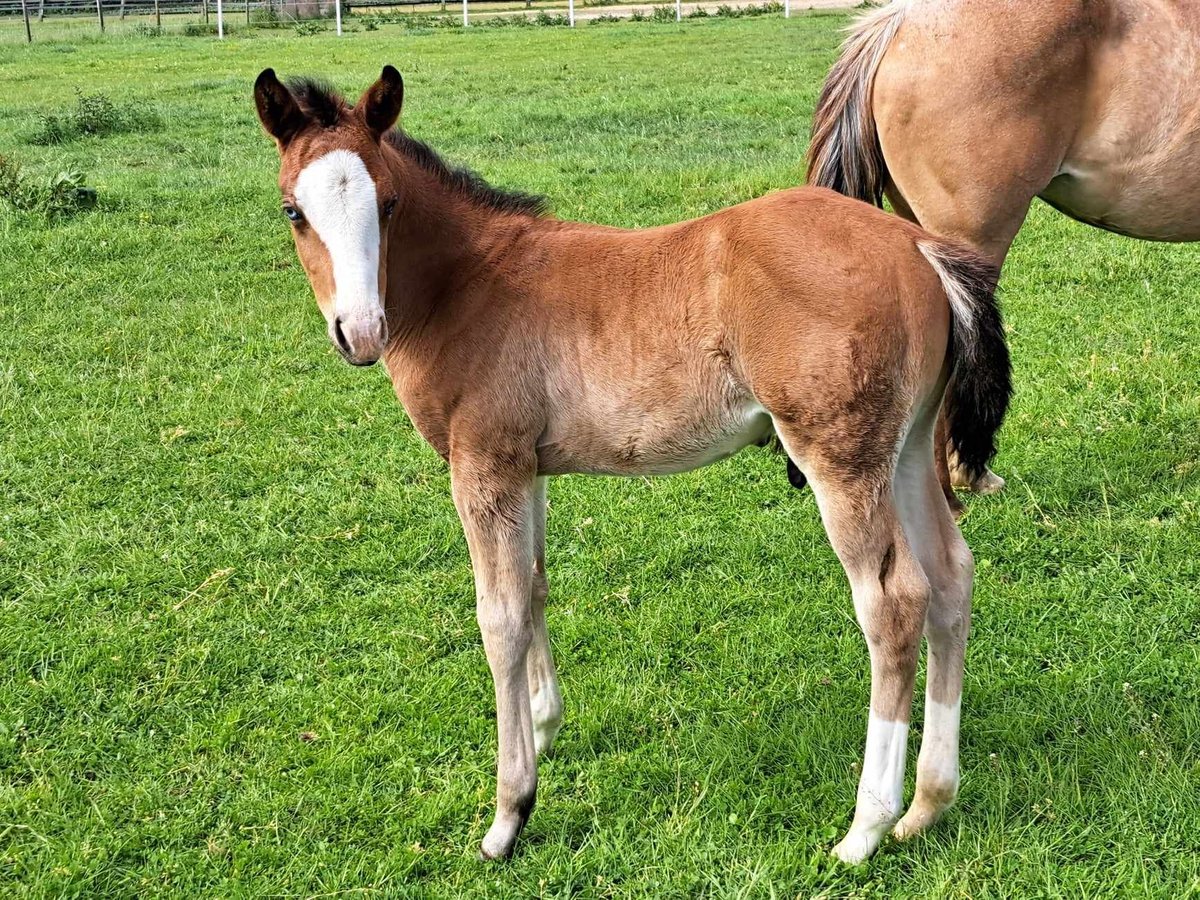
(856, 847)
(988, 483)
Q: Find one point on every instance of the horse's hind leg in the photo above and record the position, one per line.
(545, 701)
(891, 595)
(948, 565)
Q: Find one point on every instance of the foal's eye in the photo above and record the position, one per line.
(294, 214)
(389, 207)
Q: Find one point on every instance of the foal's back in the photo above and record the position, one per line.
(668, 348)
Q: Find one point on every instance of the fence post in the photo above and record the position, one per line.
(41, 10)
(465, 22)
(678, 10)
(247, 12)
(787, 9)
(122, 10)
(157, 16)
(220, 21)
(100, 15)
(571, 12)
(25, 13)
(204, 10)
(337, 11)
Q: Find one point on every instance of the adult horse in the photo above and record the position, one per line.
(522, 346)
(960, 112)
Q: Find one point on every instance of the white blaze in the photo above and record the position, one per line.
(337, 196)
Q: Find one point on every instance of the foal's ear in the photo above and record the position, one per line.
(380, 105)
(278, 110)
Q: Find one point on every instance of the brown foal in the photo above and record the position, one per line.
(523, 346)
(962, 111)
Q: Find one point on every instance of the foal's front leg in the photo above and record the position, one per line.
(495, 502)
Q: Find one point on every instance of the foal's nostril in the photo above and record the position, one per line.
(340, 336)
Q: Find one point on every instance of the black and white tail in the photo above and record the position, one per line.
(981, 374)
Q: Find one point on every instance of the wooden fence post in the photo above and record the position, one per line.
(157, 16)
(100, 15)
(41, 10)
(25, 13)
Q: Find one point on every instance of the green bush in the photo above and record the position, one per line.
(266, 17)
(93, 115)
(663, 14)
(308, 28)
(54, 197)
(202, 29)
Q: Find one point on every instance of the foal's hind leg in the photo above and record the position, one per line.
(891, 595)
(545, 701)
(948, 564)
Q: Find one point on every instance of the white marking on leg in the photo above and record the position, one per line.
(339, 201)
(939, 744)
(880, 789)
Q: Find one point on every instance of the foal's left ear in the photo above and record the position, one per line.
(380, 105)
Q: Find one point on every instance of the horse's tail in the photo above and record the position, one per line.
(980, 383)
(844, 153)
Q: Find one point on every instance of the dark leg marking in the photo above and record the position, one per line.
(885, 566)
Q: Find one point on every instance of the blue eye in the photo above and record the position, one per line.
(294, 214)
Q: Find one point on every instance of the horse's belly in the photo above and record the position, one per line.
(1153, 205)
(648, 444)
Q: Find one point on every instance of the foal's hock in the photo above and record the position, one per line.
(523, 346)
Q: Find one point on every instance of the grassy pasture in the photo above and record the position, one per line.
(238, 654)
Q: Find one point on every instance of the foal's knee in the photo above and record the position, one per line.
(507, 630)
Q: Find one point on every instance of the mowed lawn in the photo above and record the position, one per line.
(238, 650)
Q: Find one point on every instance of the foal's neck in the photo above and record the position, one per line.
(439, 243)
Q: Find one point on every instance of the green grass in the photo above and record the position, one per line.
(217, 541)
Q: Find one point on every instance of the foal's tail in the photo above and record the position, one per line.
(980, 383)
(844, 153)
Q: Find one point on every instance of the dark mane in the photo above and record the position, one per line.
(321, 102)
(464, 181)
(318, 100)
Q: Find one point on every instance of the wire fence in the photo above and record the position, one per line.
(63, 19)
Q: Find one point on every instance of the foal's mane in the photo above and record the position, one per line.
(326, 106)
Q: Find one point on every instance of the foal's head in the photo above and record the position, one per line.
(339, 198)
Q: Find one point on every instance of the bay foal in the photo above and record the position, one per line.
(523, 346)
(962, 111)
